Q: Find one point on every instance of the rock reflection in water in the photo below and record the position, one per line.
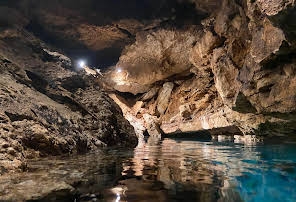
(167, 170)
(75, 178)
(174, 171)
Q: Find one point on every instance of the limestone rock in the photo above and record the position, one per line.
(273, 7)
(164, 97)
(266, 42)
(243, 72)
(202, 50)
(49, 109)
(150, 94)
(142, 123)
(154, 57)
(152, 126)
(226, 75)
(273, 91)
(64, 60)
(130, 115)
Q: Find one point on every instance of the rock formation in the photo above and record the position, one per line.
(49, 109)
(235, 73)
(224, 67)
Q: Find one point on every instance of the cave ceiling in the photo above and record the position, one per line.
(99, 30)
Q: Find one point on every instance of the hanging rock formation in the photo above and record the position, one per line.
(234, 73)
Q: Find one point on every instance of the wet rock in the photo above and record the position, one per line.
(50, 191)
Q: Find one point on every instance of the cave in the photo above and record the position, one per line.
(168, 100)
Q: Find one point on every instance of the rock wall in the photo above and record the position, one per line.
(236, 70)
(47, 108)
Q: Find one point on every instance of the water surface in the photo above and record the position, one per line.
(168, 170)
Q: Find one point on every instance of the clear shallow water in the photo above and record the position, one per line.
(170, 170)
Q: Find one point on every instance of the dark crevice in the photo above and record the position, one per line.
(51, 38)
(17, 117)
(198, 135)
(286, 21)
(206, 135)
(72, 84)
(128, 98)
(125, 31)
(243, 105)
(38, 82)
(284, 116)
(266, 89)
(277, 129)
(285, 56)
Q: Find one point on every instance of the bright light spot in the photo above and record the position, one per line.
(119, 70)
(81, 63)
(118, 197)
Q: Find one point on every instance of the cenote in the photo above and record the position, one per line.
(171, 170)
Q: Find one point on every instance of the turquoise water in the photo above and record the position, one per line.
(269, 177)
(167, 170)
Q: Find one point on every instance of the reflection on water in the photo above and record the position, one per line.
(169, 170)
